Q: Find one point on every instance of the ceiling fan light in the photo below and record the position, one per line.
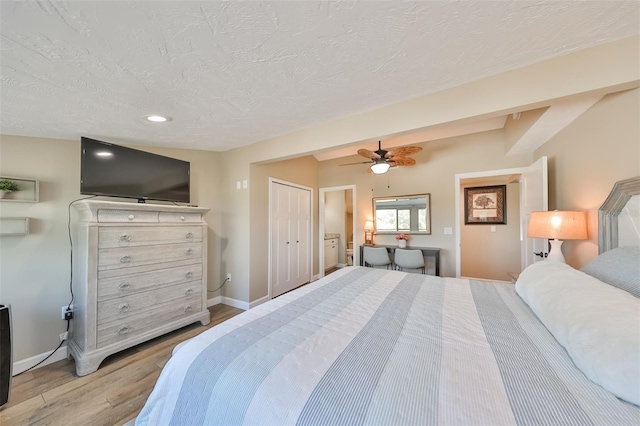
(380, 168)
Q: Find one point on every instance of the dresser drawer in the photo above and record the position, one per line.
(135, 325)
(137, 236)
(133, 284)
(180, 217)
(132, 305)
(132, 216)
(124, 257)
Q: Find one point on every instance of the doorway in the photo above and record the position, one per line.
(532, 191)
(337, 224)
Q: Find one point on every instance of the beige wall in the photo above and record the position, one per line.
(35, 269)
(614, 66)
(437, 165)
(490, 255)
(599, 148)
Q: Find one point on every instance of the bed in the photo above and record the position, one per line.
(372, 346)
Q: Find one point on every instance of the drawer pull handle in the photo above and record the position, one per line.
(130, 217)
(182, 218)
(125, 237)
(188, 274)
(124, 286)
(189, 252)
(125, 259)
(124, 329)
(187, 308)
(189, 292)
(189, 235)
(123, 307)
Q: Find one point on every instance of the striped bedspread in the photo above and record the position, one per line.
(377, 347)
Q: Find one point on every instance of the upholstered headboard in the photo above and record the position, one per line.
(619, 216)
(619, 239)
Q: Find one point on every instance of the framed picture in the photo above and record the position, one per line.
(485, 205)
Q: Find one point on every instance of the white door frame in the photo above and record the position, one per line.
(321, 193)
(458, 191)
(269, 254)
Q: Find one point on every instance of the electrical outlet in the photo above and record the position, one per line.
(67, 312)
(229, 277)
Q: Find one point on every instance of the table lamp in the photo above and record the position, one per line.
(368, 233)
(557, 226)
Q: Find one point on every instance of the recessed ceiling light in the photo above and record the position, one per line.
(157, 118)
(104, 154)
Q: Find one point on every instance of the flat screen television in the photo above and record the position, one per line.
(116, 171)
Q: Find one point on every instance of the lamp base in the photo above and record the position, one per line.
(555, 254)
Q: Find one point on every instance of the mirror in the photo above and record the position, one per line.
(409, 214)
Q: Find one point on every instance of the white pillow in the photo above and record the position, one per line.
(598, 325)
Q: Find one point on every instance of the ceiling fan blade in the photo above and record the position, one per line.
(368, 154)
(352, 164)
(402, 161)
(403, 151)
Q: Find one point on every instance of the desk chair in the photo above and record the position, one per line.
(376, 256)
(409, 259)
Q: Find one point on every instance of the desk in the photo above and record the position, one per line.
(426, 251)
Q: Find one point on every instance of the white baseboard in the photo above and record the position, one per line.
(214, 301)
(236, 303)
(25, 364)
(315, 278)
(259, 301)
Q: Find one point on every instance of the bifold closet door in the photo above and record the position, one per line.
(290, 237)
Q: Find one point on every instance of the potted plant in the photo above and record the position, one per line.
(7, 186)
(402, 240)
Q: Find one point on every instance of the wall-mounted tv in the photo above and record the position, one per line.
(116, 171)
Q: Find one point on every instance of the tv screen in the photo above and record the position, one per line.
(117, 171)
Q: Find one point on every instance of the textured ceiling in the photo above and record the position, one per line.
(234, 73)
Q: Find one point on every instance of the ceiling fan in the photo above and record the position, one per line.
(381, 160)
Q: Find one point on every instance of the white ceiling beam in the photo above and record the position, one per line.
(431, 134)
(613, 67)
(553, 120)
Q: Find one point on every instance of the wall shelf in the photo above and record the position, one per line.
(14, 226)
(29, 191)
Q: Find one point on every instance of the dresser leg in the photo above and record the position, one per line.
(206, 319)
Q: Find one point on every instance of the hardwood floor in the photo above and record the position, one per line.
(113, 395)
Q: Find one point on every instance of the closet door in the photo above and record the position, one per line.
(301, 224)
(290, 237)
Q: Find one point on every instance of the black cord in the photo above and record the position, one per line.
(70, 282)
(48, 356)
(221, 285)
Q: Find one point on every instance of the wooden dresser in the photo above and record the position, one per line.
(139, 271)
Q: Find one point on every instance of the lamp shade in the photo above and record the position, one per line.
(380, 168)
(368, 226)
(558, 225)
